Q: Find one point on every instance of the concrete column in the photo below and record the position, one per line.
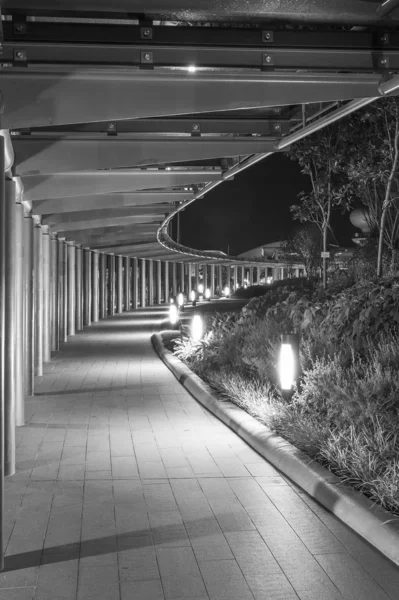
(65, 276)
(159, 281)
(10, 329)
(95, 288)
(71, 249)
(2, 343)
(150, 282)
(166, 282)
(212, 286)
(111, 284)
(220, 281)
(251, 275)
(127, 285)
(46, 293)
(19, 313)
(182, 286)
(135, 279)
(86, 287)
(258, 275)
(54, 292)
(103, 286)
(38, 300)
(119, 284)
(61, 265)
(142, 282)
(205, 275)
(197, 280)
(79, 287)
(29, 316)
(235, 277)
(189, 282)
(174, 279)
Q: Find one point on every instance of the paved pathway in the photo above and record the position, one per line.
(127, 489)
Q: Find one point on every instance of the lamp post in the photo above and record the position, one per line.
(197, 327)
(288, 364)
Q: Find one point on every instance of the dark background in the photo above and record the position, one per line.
(252, 209)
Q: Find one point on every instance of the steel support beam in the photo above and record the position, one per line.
(51, 155)
(79, 287)
(95, 294)
(66, 228)
(36, 98)
(54, 293)
(3, 226)
(60, 220)
(29, 317)
(65, 276)
(87, 183)
(127, 283)
(234, 277)
(103, 285)
(166, 283)
(86, 287)
(71, 249)
(46, 295)
(158, 282)
(10, 329)
(119, 284)
(197, 281)
(181, 279)
(151, 282)
(112, 200)
(189, 280)
(174, 279)
(135, 277)
(111, 285)
(220, 279)
(143, 283)
(61, 289)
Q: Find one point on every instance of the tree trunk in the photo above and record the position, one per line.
(381, 240)
(324, 259)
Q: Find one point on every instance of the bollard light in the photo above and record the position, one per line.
(197, 327)
(193, 297)
(173, 314)
(226, 291)
(288, 364)
(172, 300)
(200, 288)
(207, 294)
(180, 300)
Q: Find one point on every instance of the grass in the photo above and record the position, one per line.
(345, 412)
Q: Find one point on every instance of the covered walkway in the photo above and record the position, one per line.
(126, 488)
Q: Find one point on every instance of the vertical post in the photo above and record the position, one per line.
(79, 287)
(29, 316)
(102, 284)
(61, 291)
(174, 279)
(205, 275)
(38, 300)
(54, 292)
(10, 328)
(86, 287)
(135, 291)
(111, 284)
(119, 284)
(95, 286)
(71, 249)
(234, 277)
(65, 298)
(212, 281)
(142, 282)
(189, 282)
(182, 286)
(150, 282)
(258, 275)
(127, 287)
(251, 275)
(220, 279)
(46, 293)
(19, 312)
(159, 282)
(166, 281)
(2, 344)
(196, 277)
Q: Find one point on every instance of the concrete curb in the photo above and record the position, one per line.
(371, 522)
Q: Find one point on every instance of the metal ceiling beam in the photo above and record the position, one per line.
(102, 201)
(44, 156)
(82, 183)
(158, 210)
(112, 221)
(35, 98)
(89, 237)
(318, 11)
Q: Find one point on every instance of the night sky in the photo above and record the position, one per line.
(251, 210)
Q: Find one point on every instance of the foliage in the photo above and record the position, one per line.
(305, 244)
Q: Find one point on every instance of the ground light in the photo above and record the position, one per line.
(207, 294)
(197, 327)
(180, 301)
(191, 68)
(201, 289)
(288, 364)
(226, 291)
(173, 314)
(193, 297)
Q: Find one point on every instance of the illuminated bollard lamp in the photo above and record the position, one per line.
(174, 316)
(201, 289)
(193, 297)
(288, 363)
(208, 294)
(180, 301)
(226, 291)
(197, 327)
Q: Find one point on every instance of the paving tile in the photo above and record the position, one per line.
(98, 583)
(142, 590)
(58, 580)
(180, 574)
(224, 580)
(17, 594)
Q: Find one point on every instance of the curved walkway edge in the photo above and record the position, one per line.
(370, 521)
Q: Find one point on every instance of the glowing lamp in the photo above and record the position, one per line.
(226, 291)
(208, 294)
(197, 327)
(192, 295)
(173, 314)
(180, 300)
(191, 68)
(288, 361)
(200, 289)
